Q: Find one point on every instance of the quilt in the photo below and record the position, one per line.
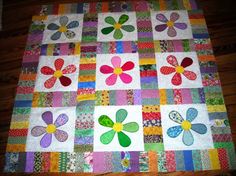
(123, 86)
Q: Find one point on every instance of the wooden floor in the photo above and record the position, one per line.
(221, 19)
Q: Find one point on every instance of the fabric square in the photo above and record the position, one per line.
(118, 128)
(171, 25)
(117, 26)
(117, 71)
(51, 129)
(63, 29)
(57, 73)
(178, 70)
(186, 127)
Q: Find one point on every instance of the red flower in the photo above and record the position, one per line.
(58, 73)
(178, 69)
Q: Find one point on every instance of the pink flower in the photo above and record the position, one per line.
(117, 70)
(178, 69)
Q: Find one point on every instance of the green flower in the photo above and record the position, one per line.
(117, 26)
(117, 127)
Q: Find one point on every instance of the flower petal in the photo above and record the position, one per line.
(176, 117)
(47, 117)
(171, 59)
(63, 20)
(47, 70)
(61, 135)
(117, 34)
(121, 115)
(61, 120)
(46, 140)
(106, 69)
(171, 32)
(107, 30)
(69, 69)
(131, 127)
(174, 131)
(123, 18)
(124, 140)
(58, 63)
(107, 137)
(199, 128)
(110, 20)
(186, 62)
(181, 25)
(65, 81)
(126, 78)
(56, 35)
(53, 26)
(167, 70)
(104, 120)
(127, 66)
(38, 131)
(128, 28)
(174, 16)
(191, 114)
(160, 27)
(111, 80)
(187, 138)
(162, 18)
(72, 24)
(190, 75)
(177, 79)
(50, 82)
(69, 34)
(116, 61)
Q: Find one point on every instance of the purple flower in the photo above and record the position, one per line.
(170, 24)
(50, 129)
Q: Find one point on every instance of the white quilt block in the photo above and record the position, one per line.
(63, 29)
(171, 25)
(118, 128)
(186, 127)
(51, 129)
(178, 70)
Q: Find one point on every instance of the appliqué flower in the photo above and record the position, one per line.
(58, 73)
(170, 24)
(178, 69)
(118, 70)
(117, 127)
(51, 128)
(117, 26)
(186, 126)
(63, 28)
(125, 161)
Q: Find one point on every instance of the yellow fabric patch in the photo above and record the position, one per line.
(118, 127)
(51, 128)
(186, 125)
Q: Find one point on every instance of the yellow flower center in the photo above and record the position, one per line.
(117, 26)
(125, 162)
(170, 23)
(57, 73)
(62, 29)
(186, 125)
(51, 128)
(179, 69)
(118, 71)
(118, 127)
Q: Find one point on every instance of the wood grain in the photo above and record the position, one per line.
(221, 21)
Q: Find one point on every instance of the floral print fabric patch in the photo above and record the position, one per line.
(126, 86)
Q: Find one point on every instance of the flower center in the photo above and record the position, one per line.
(62, 29)
(186, 125)
(170, 23)
(51, 128)
(179, 69)
(57, 73)
(117, 26)
(118, 70)
(125, 162)
(118, 127)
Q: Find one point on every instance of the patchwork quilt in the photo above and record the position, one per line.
(119, 87)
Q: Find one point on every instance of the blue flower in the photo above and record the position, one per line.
(186, 126)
